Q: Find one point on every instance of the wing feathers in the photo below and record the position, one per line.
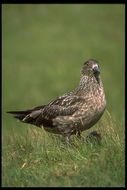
(44, 115)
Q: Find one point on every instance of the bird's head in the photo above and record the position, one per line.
(91, 68)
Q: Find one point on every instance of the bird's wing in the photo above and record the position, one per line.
(67, 100)
(62, 106)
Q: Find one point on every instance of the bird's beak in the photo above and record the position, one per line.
(96, 70)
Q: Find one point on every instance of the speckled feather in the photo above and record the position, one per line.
(73, 112)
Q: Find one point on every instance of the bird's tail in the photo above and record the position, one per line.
(28, 116)
(19, 114)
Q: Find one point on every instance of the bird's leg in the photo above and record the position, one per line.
(79, 134)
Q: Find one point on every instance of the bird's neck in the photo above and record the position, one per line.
(89, 83)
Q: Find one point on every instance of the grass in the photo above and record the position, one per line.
(44, 47)
(41, 159)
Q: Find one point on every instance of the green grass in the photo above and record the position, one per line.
(44, 47)
(40, 159)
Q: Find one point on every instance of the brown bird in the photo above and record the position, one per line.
(73, 112)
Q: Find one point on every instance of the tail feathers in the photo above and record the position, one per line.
(19, 114)
(28, 116)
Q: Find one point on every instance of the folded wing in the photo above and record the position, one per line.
(44, 115)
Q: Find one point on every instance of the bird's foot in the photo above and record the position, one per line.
(94, 136)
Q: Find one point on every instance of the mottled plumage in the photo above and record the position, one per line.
(73, 112)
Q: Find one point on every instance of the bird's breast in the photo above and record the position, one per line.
(91, 110)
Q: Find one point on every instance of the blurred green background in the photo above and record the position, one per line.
(43, 50)
(45, 46)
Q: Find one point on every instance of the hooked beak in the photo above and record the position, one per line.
(96, 70)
